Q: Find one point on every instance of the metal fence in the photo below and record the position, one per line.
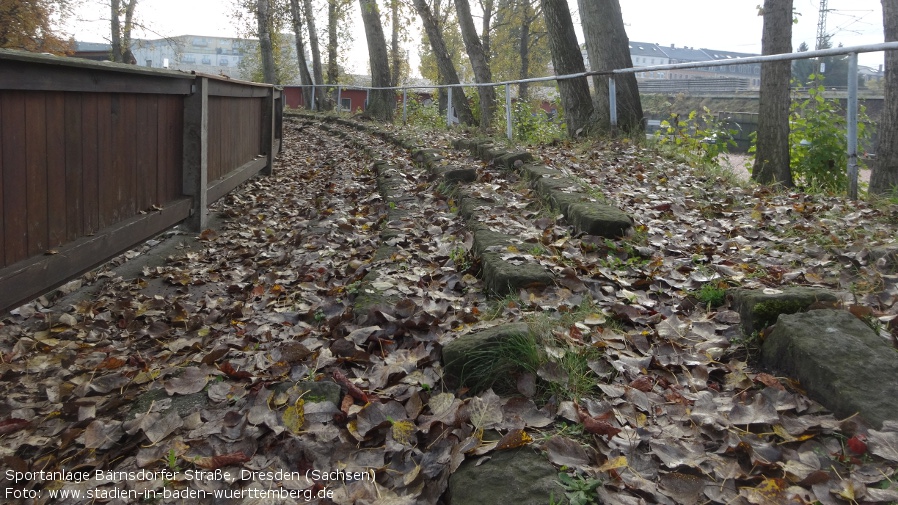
(852, 53)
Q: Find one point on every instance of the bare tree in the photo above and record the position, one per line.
(609, 48)
(444, 62)
(772, 147)
(884, 178)
(381, 102)
(333, 16)
(567, 59)
(304, 77)
(269, 73)
(121, 32)
(479, 62)
(314, 48)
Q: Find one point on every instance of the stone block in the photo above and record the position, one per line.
(841, 363)
(759, 309)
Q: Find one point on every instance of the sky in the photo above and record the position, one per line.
(730, 25)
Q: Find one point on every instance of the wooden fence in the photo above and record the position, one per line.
(98, 157)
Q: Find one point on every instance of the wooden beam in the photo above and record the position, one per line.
(33, 277)
(40, 76)
(235, 178)
(195, 174)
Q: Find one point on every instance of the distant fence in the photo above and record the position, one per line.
(97, 157)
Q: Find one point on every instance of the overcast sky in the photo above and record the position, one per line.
(732, 25)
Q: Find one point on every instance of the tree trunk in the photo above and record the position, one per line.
(269, 74)
(394, 42)
(444, 63)
(381, 102)
(315, 49)
(524, 52)
(772, 147)
(127, 55)
(333, 70)
(567, 59)
(609, 48)
(479, 63)
(304, 77)
(115, 27)
(884, 178)
(487, 7)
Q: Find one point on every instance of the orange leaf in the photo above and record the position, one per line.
(351, 388)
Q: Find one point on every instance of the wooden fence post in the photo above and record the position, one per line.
(268, 131)
(196, 147)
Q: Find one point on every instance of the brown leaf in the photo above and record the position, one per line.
(353, 390)
(192, 380)
(514, 439)
(643, 383)
(229, 370)
(769, 381)
(596, 426)
(215, 462)
(566, 452)
(12, 425)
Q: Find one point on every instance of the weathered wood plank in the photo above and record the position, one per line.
(149, 152)
(216, 119)
(32, 277)
(74, 182)
(36, 171)
(2, 227)
(108, 110)
(90, 161)
(15, 210)
(57, 205)
(235, 178)
(20, 75)
(127, 138)
(171, 147)
(221, 88)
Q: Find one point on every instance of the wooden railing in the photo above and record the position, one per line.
(97, 157)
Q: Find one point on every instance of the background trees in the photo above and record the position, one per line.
(31, 25)
(772, 150)
(884, 178)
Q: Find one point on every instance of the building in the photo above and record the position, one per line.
(208, 55)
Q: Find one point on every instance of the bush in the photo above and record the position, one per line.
(530, 123)
(818, 146)
(701, 139)
(425, 116)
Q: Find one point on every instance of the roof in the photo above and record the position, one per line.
(646, 49)
(685, 54)
(92, 46)
(717, 54)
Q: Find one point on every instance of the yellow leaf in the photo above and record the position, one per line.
(512, 248)
(147, 376)
(614, 464)
(514, 439)
(404, 432)
(295, 416)
(787, 437)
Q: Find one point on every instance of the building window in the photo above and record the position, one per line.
(189, 58)
(346, 103)
(207, 60)
(223, 62)
(149, 63)
(200, 42)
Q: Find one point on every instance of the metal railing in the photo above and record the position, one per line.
(852, 53)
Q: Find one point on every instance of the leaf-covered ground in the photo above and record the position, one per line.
(198, 372)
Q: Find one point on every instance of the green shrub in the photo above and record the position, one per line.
(700, 139)
(818, 145)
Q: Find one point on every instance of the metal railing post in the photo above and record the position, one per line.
(313, 98)
(612, 101)
(852, 126)
(508, 131)
(404, 105)
(339, 98)
(449, 109)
